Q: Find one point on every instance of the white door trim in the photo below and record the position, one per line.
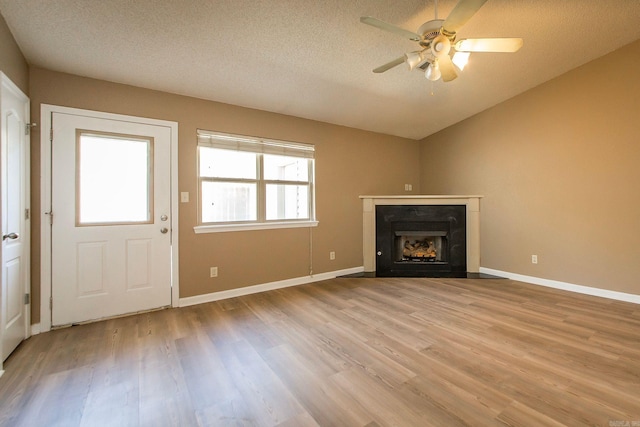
(8, 85)
(46, 112)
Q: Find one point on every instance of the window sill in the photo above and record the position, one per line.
(200, 229)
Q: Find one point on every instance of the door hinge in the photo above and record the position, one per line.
(27, 299)
(50, 213)
(50, 303)
(51, 134)
(27, 214)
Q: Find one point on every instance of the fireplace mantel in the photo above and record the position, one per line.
(472, 204)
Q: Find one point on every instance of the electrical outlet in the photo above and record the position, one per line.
(408, 187)
(332, 255)
(534, 259)
(213, 272)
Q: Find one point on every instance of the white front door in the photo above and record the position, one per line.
(111, 217)
(15, 216)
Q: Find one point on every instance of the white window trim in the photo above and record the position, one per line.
(201, 229)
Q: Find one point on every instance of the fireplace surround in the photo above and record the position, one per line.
(421, 236)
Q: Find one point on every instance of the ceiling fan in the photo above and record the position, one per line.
(437, 38)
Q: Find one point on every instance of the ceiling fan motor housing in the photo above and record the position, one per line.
(432, 29)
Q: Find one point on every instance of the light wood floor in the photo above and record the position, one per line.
(344, 352)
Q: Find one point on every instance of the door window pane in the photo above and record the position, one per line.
(287, 201)
(114, 179)
(229, 201)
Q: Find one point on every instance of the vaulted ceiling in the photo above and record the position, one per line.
(314, 59)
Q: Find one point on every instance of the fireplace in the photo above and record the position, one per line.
(421, 241)
(421, 236)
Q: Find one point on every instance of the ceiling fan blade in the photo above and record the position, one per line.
(389, 65)
(447, 68)
(460, 14)
(390, 28)
(489, 45)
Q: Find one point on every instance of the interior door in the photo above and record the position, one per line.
(15, 223)
(110, 207)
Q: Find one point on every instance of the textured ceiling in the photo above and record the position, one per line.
(313, 59)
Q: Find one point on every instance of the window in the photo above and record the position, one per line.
(248, 182)
(114, 179)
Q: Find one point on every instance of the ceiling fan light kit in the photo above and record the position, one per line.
(440, 46)
(460, 59)
(433, 71)
(437, 38)
(414, 59)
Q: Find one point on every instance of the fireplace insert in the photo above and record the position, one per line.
(421, 241)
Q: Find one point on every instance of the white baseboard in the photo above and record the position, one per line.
(35, 329)
(232, 293)
(604, 293)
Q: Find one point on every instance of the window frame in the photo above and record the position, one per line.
(150, 141)
(260, 147)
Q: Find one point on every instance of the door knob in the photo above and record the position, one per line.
(11, 236)
(164, 230)
(164, 218)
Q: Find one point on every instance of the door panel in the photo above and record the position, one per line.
(14, 317)
(91, 268)
(111, 190)
(14, 291)
(139, 261)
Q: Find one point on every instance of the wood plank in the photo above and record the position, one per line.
(349, 352)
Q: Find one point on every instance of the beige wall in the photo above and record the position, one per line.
(349, 163)
(559, 167)
(12, 62)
